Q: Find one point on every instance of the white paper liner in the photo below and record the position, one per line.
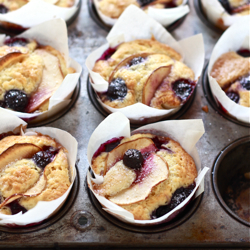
(38, 11)
(234, 38)
(144, 27)
(215, 13)
(45, 34)
(186, 132)
(163, 16)
(43, 209)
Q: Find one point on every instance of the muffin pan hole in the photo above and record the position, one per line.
(177, 221)
(231, 179)
(209, 96)
(93, 98)
(94, 15)
(82, 220)
(46, 223)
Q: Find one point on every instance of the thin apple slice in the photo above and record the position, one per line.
(142, 144)
(11, 58)
(153, 82)
(154, 171)
(51, 80)
(126, 61)
(17, 152)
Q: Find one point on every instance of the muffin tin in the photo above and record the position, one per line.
(80, 223)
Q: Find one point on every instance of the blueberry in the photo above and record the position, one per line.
(245, 82)
(2, 104)
(3, 9)
(136, 60)
(15, 207)
(233, 96)
(183, 88)
(16, 41)
(226, 5)
(144, 2)
(42, 159)
(16, 99)
(107, 54)
(133, 159)
(117, 89)
(244, 52)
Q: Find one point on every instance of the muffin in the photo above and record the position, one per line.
(33, 168)
(145, 71)
(145, 174)
(232, 72)
(224, 13)
(30, 74)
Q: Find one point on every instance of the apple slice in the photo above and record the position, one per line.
(11, 58)
(154, 171)
(126, 61)
(153, 82)
(51, 80)
(142, 144)
(17, 152)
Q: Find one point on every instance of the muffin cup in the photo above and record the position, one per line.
(234, 38)
(163, 16)
(44, 34)
(186, 132)
(127, 29)
(36, 12)
(43, 209)
(218, 15)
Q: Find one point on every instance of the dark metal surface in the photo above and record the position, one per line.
(93, 98)
(209, 226)
(94, 15)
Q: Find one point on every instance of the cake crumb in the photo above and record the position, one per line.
(205, 108)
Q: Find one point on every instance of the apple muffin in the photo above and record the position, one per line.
(239, 7)
(146, 174)
(29, 74)
(8, 6)
(145, 71)
(114, 8)
(232, 72)
(32, 169)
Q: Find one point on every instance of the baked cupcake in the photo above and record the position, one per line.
(35, 170)
(16, 15)
(143, 74)
(164, 11)
(224, 13)
(147, 174)
(229, 71)
(34, 69)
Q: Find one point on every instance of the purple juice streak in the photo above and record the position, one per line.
(244, 52)
(107, 54)
(15, 207)
(16, 41)
(233, 96)
(108, 146)
(3, 135)
(178, 197)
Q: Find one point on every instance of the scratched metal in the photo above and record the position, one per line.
(210, 226)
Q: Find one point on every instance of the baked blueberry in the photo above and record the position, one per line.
(136, 60)
(245, 82)
(15, 207)
(144, 2)
(117, 89)
(3, 9)
(233, 96)
(16, 41)
(16, 99)
(107, 54)
(183, 88)
(133, 158)
(43, 158)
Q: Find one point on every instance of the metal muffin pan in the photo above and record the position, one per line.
(83, 226)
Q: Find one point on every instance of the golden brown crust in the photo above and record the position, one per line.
(182, 173)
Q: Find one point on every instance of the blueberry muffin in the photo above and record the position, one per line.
(11, 5)
(32, 169)
(232, 72)
(29, 75)
(114, 8)
(145, 174)
(145, 71)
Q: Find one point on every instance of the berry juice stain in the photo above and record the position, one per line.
(16, 208)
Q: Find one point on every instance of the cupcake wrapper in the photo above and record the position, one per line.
(163, 16)
(186, 132)
(43, 209)
(234, 38)
(127, 29)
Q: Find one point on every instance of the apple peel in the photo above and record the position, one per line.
(154, 171)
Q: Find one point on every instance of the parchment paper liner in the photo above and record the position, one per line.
(43, 209)
(218, 15)
(186, 132)
(234, 38)
(38, 11)
(163, 16)
(45, 34)
(144, 27)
